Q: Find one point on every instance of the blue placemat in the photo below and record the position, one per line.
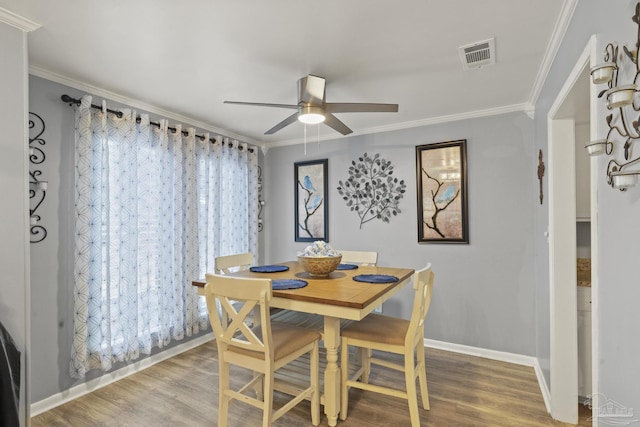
(375, 278)
(268, 268)
(347, 267)
(288, 284)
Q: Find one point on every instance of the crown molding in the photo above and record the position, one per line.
(17, 21)
(559, 31)
(530, 110)
(98, 92)
(416, 123)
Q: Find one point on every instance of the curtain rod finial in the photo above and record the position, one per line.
(67, 98)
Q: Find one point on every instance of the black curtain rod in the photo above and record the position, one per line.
(72, 101)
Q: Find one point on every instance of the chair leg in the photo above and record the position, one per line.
(422, 374)
(412, 395)
(315, 383)
(344, 390)
(259, 387)
(267, 408)
(223, 400)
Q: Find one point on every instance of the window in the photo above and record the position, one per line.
(153, 210)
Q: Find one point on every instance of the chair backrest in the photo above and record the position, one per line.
(226, 292)
(358, 257)
(230, 263)
(423, 286)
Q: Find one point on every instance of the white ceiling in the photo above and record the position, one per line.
(188, 57)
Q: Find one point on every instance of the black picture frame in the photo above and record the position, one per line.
(441, 182)
(311, 204)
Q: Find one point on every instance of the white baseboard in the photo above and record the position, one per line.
(544, 388)
(93, 385)
(502, 356)
(90, 386)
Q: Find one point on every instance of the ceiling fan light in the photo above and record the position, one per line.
(311, 115)
(311, 118)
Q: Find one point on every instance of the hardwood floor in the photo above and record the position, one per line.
(182, 391)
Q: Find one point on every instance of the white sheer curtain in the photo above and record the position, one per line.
(153, 210)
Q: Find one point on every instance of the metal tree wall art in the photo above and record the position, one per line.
(371, 189)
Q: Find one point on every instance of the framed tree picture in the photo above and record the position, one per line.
(441, 173)
(311, 201)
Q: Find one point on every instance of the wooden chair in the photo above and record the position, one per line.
(399, 336)
(359, 257)
(231, 263)
(263, 349)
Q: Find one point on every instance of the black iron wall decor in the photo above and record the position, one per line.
(540, 173)
(620, 72)
(371, 191)
(260, 200)
(37, 187)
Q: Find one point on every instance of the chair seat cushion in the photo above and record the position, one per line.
(379, 329)
(286, 339)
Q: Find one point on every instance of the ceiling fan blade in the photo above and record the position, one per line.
(261, 104)
(311, 90)
(363, 107)
(333, 122)
(286, 122)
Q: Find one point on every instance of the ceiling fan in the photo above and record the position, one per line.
(312, 107)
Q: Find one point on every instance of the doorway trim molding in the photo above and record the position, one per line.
(562, 256)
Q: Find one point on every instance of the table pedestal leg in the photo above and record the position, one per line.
(332, 371)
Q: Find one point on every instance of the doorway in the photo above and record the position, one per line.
(573, 105)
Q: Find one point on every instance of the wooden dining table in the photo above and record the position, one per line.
(335, 297)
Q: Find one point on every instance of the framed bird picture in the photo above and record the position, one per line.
(311, 201)
(441, 174)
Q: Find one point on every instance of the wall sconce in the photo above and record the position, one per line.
(37, 187)
(601, 146)
(624, 180)
(621, 100)
(603, 73)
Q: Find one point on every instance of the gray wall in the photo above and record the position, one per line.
(485, 295)
(52, 259)
(14, 246)
(484, 292)
(618, 231)
(492, 293)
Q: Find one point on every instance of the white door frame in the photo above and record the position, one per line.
(562, 255)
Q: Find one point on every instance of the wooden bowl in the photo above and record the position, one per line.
(319, 266)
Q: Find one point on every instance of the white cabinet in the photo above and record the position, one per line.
(584, 341)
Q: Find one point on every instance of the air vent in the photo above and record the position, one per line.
(477, 55)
